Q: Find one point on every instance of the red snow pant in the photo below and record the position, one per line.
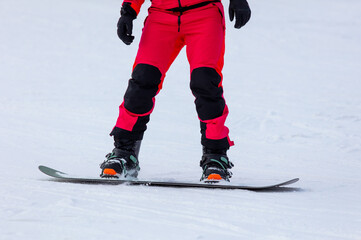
(202, 31)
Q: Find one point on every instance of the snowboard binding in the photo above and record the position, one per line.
(215, 165)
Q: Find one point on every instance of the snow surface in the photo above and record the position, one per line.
(292, 80)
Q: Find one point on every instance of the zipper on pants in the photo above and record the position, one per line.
(179, 16)
(179, 21)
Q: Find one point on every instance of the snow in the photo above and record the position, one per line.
(292, 83)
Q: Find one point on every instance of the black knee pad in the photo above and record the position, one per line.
(205, 86)
(142, 88)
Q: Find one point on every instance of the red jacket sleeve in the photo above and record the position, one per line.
(135, 4)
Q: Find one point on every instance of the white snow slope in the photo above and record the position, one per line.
(292, 80)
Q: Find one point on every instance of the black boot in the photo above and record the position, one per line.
(215, 165)
(122, 161)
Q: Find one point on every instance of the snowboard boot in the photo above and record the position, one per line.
(215, 165)
(122, 161)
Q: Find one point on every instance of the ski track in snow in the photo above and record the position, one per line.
(291, 81)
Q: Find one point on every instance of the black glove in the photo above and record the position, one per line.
(125, 23)
(242, 11)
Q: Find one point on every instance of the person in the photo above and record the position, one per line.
(170, 25)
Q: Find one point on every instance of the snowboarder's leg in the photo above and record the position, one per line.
(159, 45)
(205, 51)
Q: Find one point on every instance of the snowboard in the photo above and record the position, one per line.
(64, 177)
